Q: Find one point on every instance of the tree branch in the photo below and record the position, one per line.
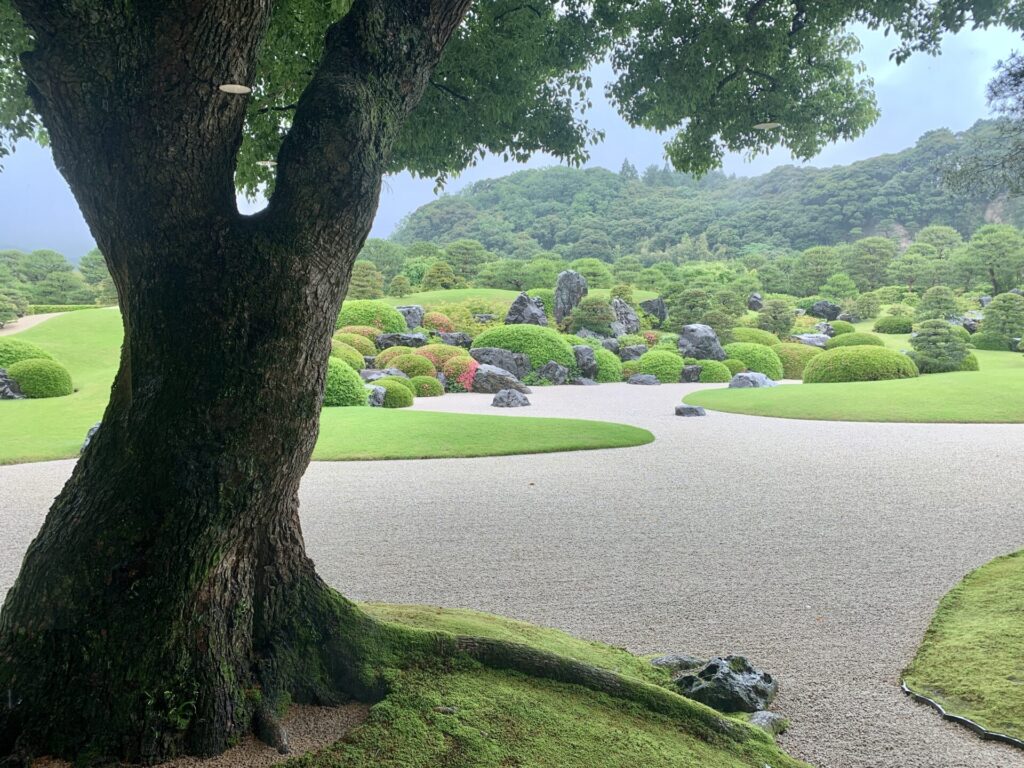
(445, 89)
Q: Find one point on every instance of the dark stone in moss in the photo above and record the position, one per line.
(632, 352)
(729, 684)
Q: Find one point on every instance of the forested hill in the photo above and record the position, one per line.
(596, 212)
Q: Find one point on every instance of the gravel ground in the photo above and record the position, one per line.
(26, 322)
(818, 549)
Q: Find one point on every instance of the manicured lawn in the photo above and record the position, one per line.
(970, 660)
(428, 298)
(88, 343)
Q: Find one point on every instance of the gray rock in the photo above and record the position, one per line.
(701, 342)
(457, 339)
(690, 410)
(570, 289)
(984, 301)
(612, 345)
(656, 308)
(849, 317)
(386, 340)
(9, 389)
(678, 662)
(646, 379)
(970, 324)
(376, 397)
(1018, 291)
(586, 361)
(826, 310)
(751, 379)
(490, 379)
(484, 318)
(632, 352)
(690, 374)
(526, 310)
(510, 398)
(626, 320)
(554, 372)
(89, 436)
(825, 329)
(729, 684)
(413, 314)
(516, 363)
(582, 381)
(372, 374)
(811, 339)
(368, 361)
(772, 722)
(755, 302)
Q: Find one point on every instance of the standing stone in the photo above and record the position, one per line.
(656, 308)
(755, 302)
(826, 310)
(413, 314)
(690, 374)
(626, 320)
(554, 372)
(569, 292)
(516, 363)
(701, 342)
(586, 361)
(9, 389)
(526, 310)
(510, 398)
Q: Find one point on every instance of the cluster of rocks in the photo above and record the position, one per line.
(9, 389)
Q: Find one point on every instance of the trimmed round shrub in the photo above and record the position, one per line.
(15, 350)
(734, 365)
(630, 368)
(609, 367)
(407, 383)
(970, 363)
(993, 342)
(385, 356)
(794, 358)
(360, 343)
(347, 354)
(854, 339)
(841, 326)
(439, 354)
(858, 363)
(413, 365)
(459, 372)
(40, 377)
(367, 331)
(754, 336)
(962, 333)
(539, 343)
(427, 386)
(713, 372)
(593, 313)
(893, 324)
(344, 386)
(937, 347)
(372, 312)
(397, 394)
(757, 357)
(437, 321)
(666, 366)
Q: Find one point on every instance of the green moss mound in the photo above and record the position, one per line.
(841, 326)
(414, 365)
(855, 339)
(754, 336)
(39, 378)
(714, 372)
(15, 350)
(426, 386)
(893, 325)
(397, 394)
(439, 354)
(734, 365)
(858, 363)
(540, 344)
(757, 357)
(344, 386)
(360, 343)
(609, 367)
(374, 313)
(666, 366)
(794, 358)
(348, 355)
(385, 356)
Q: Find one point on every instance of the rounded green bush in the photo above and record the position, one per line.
(385, 356)
(397, 393)
(938, 348)
(460, 373)
(427, 386)
(439, 354)
(372, 312)
(666, 366)
(993, 342)
(39, 377)
(962, 333)
(841, 326)
(891, 324)
(858, 363)
(367, 331)
(854, 339)
(15, 350)
(539, 343)
(794, 358)
(414, 365)
(970, 363)
(349, 355)
(713, 372)
(360, 343)
(609, 367)
(754, 336)
(734, 365)
(757, 357)
(343, 387)
(630, 368)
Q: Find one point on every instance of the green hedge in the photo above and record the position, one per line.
(794, 358)
(894, 325)
(15, 350)
(350, 355)
(360, 343)
(734, 365)
(414, 365)
(45, 309)
(754, 336)
(858, 363)
(397, 394)
(40, 378)
(609, 367)
(666, 366)
(854, 339)
(539, 343)
(714, 372)
(343, 387)
(427, 386)
(757, 357)
(841, 326)
(372, 312)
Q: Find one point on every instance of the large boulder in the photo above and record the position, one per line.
(825, 310)
(701, 342)
(755, 302)
(645, 379)
(510, 398)
(626, 320)
(656, 308)
(457, 339)
(375, 396)
(570, 289)
(515, 362)
(811, 339)
(386, 340)
(526, 310)
(9, 389)
(750, 380)
(490, 379)
(690, 374)
(729, 684)
(553, 372)
(413, 314)
(586, 361)
(970, 324)
(632, 352)
(690, 410)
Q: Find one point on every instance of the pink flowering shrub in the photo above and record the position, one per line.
(460, 372)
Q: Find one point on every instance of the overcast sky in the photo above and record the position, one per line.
(38, 211)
